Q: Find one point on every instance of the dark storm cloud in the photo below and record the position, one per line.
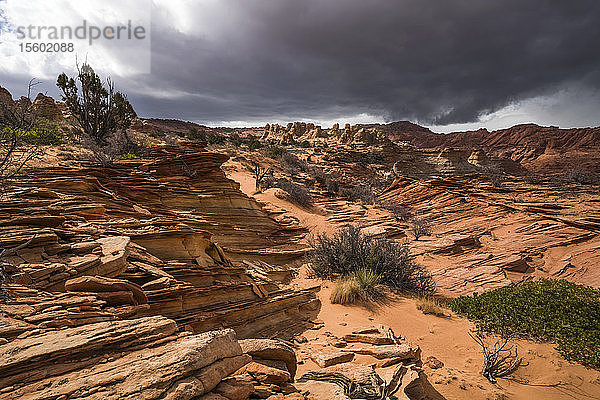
(435, 61)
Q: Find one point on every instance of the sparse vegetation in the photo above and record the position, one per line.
(420, 227)
(362, 285)
(498, 360)
(274, 152)
(16, 123)
(363, 193)
(401, 212)
(260, 175)
(370, 159)
(545, 310)
(349, 251)
(578, 175)
(102, 114)
(99, 110)
(297, 193)
(292, 164)
(430, 305)
(346, 291)
(327, 181)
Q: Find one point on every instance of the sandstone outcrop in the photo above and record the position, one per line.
(142, 358)
(298, 132)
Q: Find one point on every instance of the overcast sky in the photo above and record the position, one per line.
(447, 64)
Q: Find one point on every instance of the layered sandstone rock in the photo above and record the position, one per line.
(142, 358)
(145, 234)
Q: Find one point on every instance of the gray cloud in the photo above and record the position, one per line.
(436, 61)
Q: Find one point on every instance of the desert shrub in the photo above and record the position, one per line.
(533, 178)
(401, 212)
(367, 280)
(305, 144)
(253, 143)
(292, 164)
(578, 175)
(349, 251)
(420, 227)
(495, 176)
(196, 134)
(370, 159)
(545, 310)
(363, 193)
(16, 119)
(129, 156)
(158, 134)
(327, 181)
(297, 193)
(430, 305)
(214, 138)
(362, 285)
(274, 152)
(98, 109)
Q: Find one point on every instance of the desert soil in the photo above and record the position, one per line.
(544, 374)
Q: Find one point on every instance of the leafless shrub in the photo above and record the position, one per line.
(16, 120)
(578, 175)
(420, 227)
(292, 164)
(363, 193)
(496, 178)
(401, 212)
(189, 172)
(498, 361)
(260, 174)
(297, 193)
(326, 180)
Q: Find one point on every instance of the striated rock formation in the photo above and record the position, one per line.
(538, 148)
(145, 234)
(143, 358)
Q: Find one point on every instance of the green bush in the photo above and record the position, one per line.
(349, 251)
(545, 310)
(43, 136)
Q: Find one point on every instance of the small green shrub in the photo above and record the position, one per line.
(368, 280)
(545, 310)
(43, 136)
(129, 156)
(349, 251)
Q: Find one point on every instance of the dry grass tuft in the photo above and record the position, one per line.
(362, 285)
(430, 305)
(346, 291)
